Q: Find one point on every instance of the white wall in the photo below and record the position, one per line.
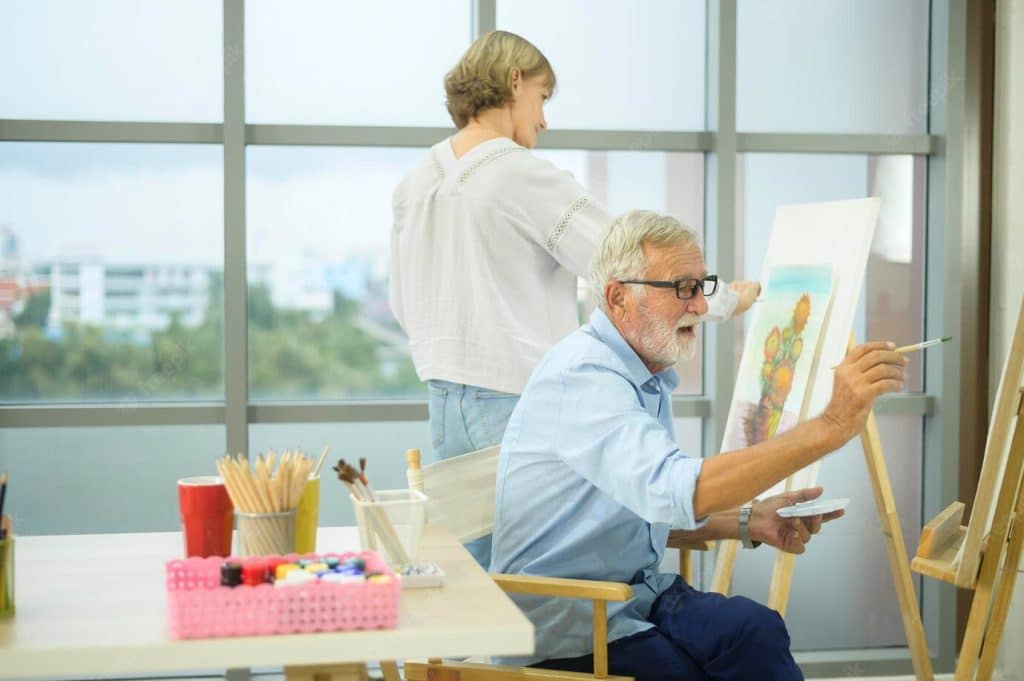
(1008, 247)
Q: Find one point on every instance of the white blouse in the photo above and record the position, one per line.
(485, 254)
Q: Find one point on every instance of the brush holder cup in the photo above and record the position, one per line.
(266, 534)
(393, 525)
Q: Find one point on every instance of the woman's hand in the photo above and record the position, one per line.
(748, 291)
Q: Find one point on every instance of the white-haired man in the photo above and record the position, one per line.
(590, 477)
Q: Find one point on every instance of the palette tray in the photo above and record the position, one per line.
(199, 607)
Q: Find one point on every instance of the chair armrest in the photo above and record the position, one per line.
(678, 540)
(564, 588)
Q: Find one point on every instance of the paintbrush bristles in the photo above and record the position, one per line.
(346, 472)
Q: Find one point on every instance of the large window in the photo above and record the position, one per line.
(111, 259)
(111, 60)
(151, 191)
(618, 68)
(832, 66)
(106, 477)
(319, 225)
(352, 63)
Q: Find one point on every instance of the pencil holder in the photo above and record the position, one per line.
(266, 534)
(7, 576)
(394, 523)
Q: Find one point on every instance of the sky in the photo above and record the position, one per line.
(351, 63)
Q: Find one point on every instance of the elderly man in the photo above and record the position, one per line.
(590, 477)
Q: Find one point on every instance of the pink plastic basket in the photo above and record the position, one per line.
(198, 607)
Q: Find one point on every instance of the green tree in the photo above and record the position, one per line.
(291, 355)
(262, 313)
(37, 307)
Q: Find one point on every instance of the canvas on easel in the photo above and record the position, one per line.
(780, 354)
(838, 235)
(973, 556)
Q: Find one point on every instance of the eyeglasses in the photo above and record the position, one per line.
(685, 288)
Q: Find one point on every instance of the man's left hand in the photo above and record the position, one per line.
(748, 291)
(788, 534)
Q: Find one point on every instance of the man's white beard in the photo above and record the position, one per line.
(661, 344)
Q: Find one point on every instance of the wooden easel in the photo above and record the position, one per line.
(782, 574)
(971, 557)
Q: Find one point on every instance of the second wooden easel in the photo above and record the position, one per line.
(899, 565)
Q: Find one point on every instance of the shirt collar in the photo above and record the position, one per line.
(638, 371)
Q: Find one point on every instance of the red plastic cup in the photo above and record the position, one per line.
(206, 516)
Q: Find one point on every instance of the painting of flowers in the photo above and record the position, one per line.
(779, 354)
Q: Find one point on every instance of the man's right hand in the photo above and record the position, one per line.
(869, 370)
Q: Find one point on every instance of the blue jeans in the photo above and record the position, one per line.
(699, 636)
(464, 418)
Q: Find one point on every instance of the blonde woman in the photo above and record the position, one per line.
(487, 245)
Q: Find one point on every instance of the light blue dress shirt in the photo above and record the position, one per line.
(590, 479)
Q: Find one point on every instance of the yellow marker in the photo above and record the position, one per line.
(283, 569)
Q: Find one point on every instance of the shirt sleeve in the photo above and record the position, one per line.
(606, 435)
(723, 303)
(557, 213)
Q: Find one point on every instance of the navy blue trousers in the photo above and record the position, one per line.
(700, 636)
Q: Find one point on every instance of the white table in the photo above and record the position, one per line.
(95, 605)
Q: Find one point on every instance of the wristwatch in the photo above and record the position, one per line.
(745, 528)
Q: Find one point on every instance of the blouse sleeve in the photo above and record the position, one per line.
(557, 213)
(723, 303)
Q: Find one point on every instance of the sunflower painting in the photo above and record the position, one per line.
(780, 348)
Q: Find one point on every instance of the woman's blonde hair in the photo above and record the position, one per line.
(483, 77)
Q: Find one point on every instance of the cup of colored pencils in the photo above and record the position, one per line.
(265, 499)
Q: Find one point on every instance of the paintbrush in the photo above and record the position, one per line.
(918, 346)
(923, 344)
(362, 476)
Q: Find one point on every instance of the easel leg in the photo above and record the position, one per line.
(995, 552)
(980, 604)
(1004, 595)
(724, 563)
(782, 579)
(896, 550)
